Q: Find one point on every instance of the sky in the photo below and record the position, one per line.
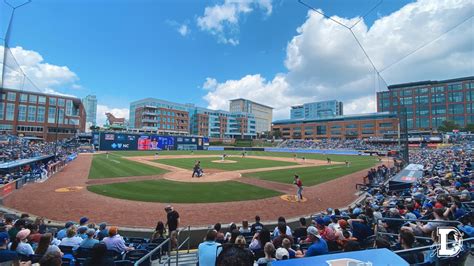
(276, 52)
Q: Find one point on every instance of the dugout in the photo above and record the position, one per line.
(405, 178)
(13, 166)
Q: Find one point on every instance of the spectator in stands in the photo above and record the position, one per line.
(269, 250)
(260, 239)
(233, 255)
(287, 245)
(209, 249)
(99, 256)
(257, 226)
(276, 231)
(6, 255)
(172, 220)
(34, 236)
(282, 254)
(81, 232)
(245, 229)
(228, 235)
(51, 259)
(422, 230)
(83, 222)
(352, 246)
(63, 232)
(220, 235)
(360, 229)
(102, 232)
(281, 235)
(324, 231)
(158, 235)
(39, 221)
(115, 242)
(406, 239)
(71, 239)
(8, 223)
(317, 245)
(45, 246)
(89, 242)
(20, 244)
(19, 225)
(300, 232)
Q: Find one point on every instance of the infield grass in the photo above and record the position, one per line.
(116, 166)
(180, 192)
(207, 163)
(313, 175)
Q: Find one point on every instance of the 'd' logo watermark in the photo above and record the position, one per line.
(443, 250)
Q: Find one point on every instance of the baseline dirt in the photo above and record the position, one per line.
(42, 200)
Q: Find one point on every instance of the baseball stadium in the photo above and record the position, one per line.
(295, 170)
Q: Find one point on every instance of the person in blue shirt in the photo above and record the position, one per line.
(6, 255)
(63, 232)
(318, 245)
(209, 249)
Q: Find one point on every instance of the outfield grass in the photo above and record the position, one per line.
(313, 175)
(241, 163)
(116, 166)
(180, 192)
(336, 158)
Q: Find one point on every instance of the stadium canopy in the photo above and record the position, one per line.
(381, 256)
(405, 178)
(5, 167)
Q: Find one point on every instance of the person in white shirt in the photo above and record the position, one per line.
(20, 244)
(71, 240)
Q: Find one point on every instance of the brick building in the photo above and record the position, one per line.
(46, 116)
(429, 103)
(340, 127)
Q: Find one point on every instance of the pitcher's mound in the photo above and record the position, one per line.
(225, 161)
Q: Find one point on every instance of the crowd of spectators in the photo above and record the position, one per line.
(337, 144)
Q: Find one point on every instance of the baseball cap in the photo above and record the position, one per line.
(320, 221)
(281, 252)
(168, 207)
(4, 237)
(356, 211)
(23, 234)
(90, 232)
(83, 220)
(311, 230)
(69, 224)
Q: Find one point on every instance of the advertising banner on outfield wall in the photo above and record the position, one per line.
(148, 142)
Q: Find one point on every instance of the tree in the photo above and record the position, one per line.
(276, 134)
(448, 126)
(469, 128)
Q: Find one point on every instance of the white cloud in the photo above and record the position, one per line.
(182, 28)
(222, 20)
(324, 62)
(44, 76)
(117, 112)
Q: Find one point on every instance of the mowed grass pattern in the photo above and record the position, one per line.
(206, 163)
(311, 176)
(179, 192)
(116, 166)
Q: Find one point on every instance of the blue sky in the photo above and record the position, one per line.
(126, 50)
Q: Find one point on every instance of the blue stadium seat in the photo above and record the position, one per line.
(135, 255)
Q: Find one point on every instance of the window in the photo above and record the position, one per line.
(2, 112)
(438, 98)
(438, 109)
(41, 99)
(74, 121)
(351, 126)
(454, 87)
(410, 123)
(61, 116)
(407, 93)
(368, 131)
(11, 96)
(33, 98)
(31, 113)
(321, 130)
(423, 90)
(336, 127)
(10, 113)
(52, 115)
(23, 97)
(40, 116)
(422, 110)
(385, 124)
(455, 109)
(52, 101)
(61, 102)
(406, 101)
(470, 95)
(21, 112)
(437, 89)
(459, 120)
(456, 96)
(68, 107)
(335, 132)
(423, 123)
(368, 125)
(422, 99)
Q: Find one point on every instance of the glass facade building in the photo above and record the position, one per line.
(317, 110)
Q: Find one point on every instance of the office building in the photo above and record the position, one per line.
(429, 103)
(166, 117)
(35, 114)
(90, 106)
(317, 110)
(263, 114)
(340, 127)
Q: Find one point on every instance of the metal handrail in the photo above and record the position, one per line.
(183, 242)
(430, 246)
(151, 253)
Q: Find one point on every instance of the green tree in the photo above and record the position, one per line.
(448, 126)
(469, 128)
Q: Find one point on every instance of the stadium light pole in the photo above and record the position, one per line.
(6, 40)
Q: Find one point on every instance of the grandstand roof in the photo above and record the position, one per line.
(337, 118)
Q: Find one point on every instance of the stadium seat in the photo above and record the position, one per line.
(83, 252)
(137, 241)
(66, 249)
(35, 258)
(114, 254)
(135, 255)
(123, 263)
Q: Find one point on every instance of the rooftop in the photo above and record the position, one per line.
(337, 118)
(43, 93)
(242, 99)
(428, 82)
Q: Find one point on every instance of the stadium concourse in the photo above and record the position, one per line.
(400, 222)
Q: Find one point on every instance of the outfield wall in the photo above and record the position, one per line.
(270, 149)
